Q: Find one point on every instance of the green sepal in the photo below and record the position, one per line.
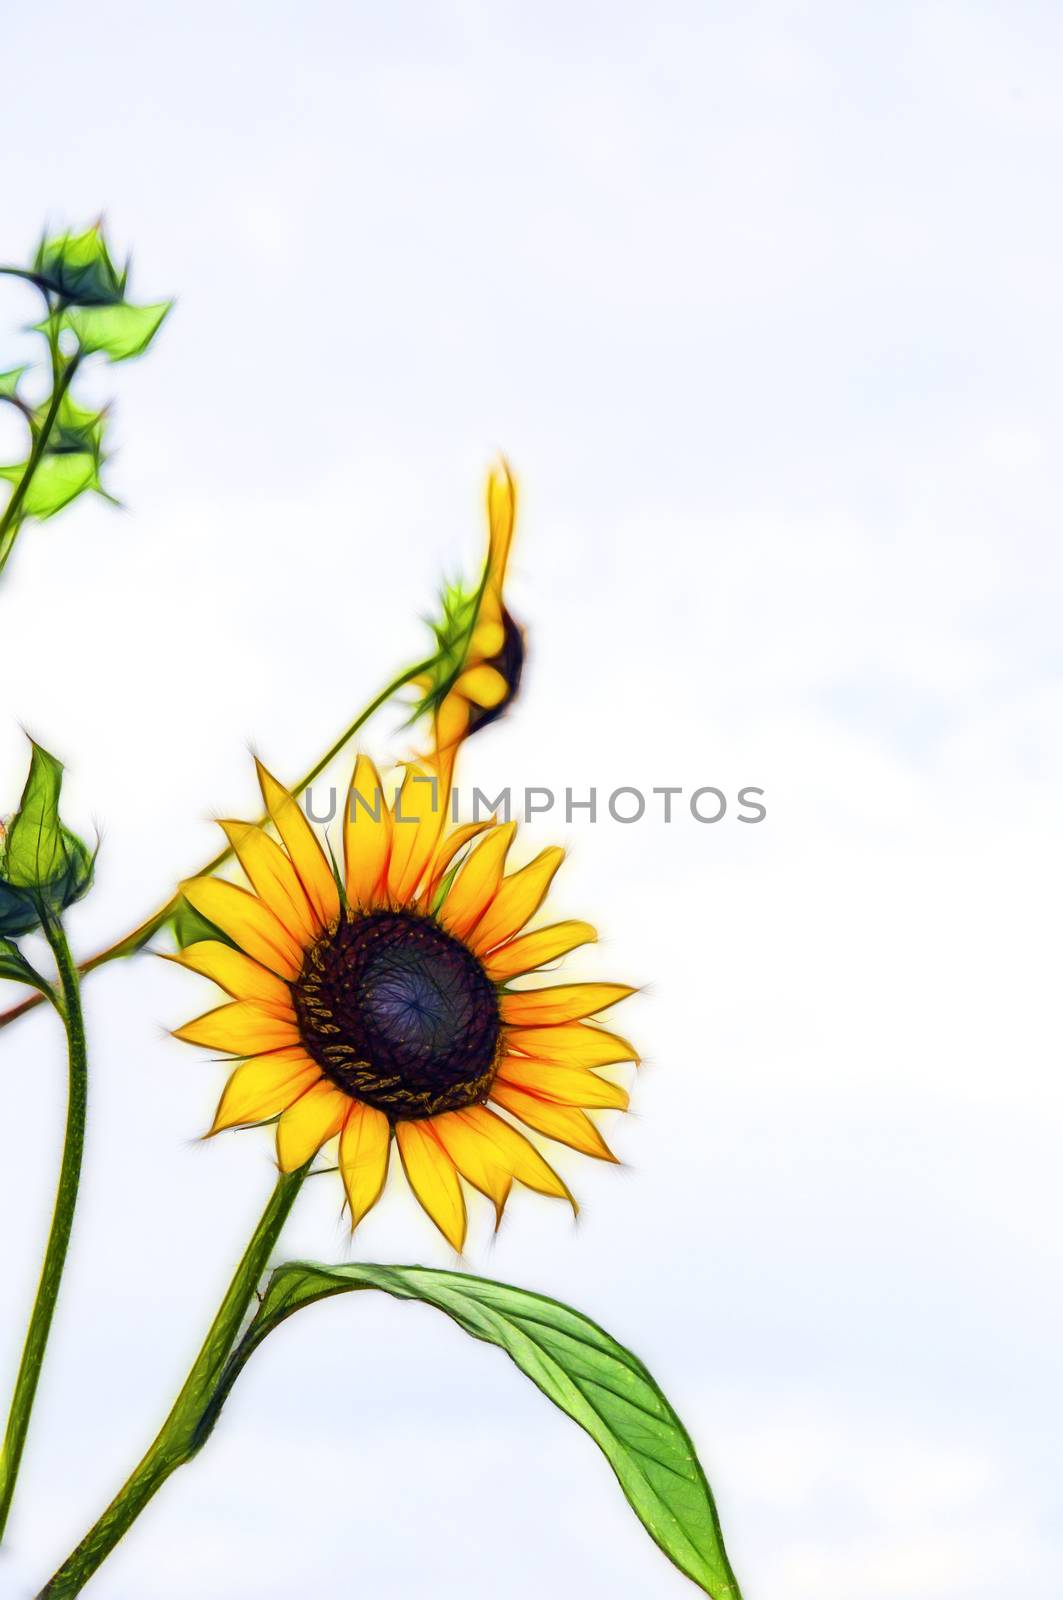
(13, 965)
(44, 867)
(576, 1364)
(57, 480)
(116, 331)
(9, 382)
(190, 926)
(78, 268)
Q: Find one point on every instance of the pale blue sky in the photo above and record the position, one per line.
(764, 305)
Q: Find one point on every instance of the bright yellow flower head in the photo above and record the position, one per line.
(383, 1006)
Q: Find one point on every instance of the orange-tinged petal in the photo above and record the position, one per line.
(567, 1124)
(477, 883)
(566, 1002)
(433, 1179)
(484, 685)
(447, 849)
(419, 815)
(477, 1161)
(364, 1145)
(533, 950)
(569, 1086)
(487, 640)
(273, 878)
(247, 922)
(308, 1122)
(241, 1029)
(501, 519)
(263, 1087)
(516, 1153)
(366, 834)
(574, 1044)
(236, 973)
(301, 843)
(520, 896)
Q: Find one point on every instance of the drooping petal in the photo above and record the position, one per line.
(263, 1087)
(366, 834)
(273, 878)
(242, 1028)
(574, 1044)
(433, 1179)
(364, 1145)
(419, 815)
(566, 1002)
(308, 1122)
(569, 1086)
(301, 843)
(516, 1153)
(477, 1161)
(567, 1124)
(534, 950)
(249, 923)
(235, 972)
(477, 883)
(519, 897)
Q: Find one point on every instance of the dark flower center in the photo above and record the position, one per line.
(398, 1013)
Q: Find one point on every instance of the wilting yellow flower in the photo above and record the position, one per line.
(480, 647)
(382, 1006)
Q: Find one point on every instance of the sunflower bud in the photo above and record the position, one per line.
(480, 654)
(78, 269)
(44, 867)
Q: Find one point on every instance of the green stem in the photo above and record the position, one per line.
(11, 521)
(69, 1007)
(180, 1436)
(130, 943)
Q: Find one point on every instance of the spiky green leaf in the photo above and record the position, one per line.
(57, 480)
(116, 331)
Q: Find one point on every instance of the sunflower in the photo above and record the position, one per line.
(378, 1003)
(479, 646)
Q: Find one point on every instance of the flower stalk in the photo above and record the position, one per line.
(68, 1005)
(182, 1434)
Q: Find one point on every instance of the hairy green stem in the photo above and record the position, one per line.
(181, 1434)
(130, 943)
(11, 521)
(29, 1371)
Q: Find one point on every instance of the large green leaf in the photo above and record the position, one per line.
(57, 480)
(596, 1381)
(117, 331)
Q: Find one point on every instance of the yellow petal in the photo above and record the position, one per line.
(366, 834)
(533, 950)
(264, 1087)
(516, 1153)
(487, 641)
(301, 843)
(566, 1002)
(477, 1161)
(483, 685)
(501, 518)
(446, 850)
(569, 1086)
(575, 1044)
(567, 1124)
(247, 922)
(308, 1123)
(273, 879)
(433, 1179)
(364, 1146)
(236, 973)
(420, 812)
(477, 883)
(241, 1029)
(520, 896)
